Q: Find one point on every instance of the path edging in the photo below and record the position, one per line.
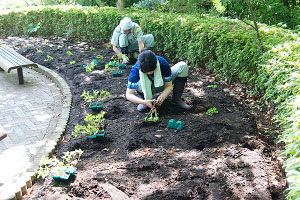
(52, 140)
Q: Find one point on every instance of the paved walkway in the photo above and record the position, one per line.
(34, 116)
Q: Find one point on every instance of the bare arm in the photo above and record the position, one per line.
(141, 45)
(168, 89)
(116, 50)
(131, 97)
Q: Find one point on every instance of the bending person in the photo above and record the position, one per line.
(128, 40)
(153, 74)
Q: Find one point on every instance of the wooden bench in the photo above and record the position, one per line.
(10, 59)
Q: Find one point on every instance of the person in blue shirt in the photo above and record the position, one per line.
(152, 74)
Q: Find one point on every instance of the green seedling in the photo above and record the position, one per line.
(39, 51)
(92, 48)
(69, 53)
(77, 42)
(99, 57)
(152, 116)
(109, 67)
(212, 86)
(72, 62)
(94, 124)
(29, 45)
(95, 97)
(90, 67)
(212, 111)
(49, 166)
(108, 46)
(116, 59)
(49, 58)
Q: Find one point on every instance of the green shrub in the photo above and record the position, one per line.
(270, 12)
(150, 4)
(226, 46)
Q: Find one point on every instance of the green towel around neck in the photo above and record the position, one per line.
(146, 82)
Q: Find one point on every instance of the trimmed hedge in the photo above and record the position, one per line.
(228, 47)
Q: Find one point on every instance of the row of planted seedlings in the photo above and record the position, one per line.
(63, 168)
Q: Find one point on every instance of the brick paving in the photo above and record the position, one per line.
(34, 116)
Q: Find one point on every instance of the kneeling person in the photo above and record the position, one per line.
(153, 74)
(128, 39)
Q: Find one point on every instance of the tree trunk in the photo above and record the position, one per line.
(255, 26)
(121, 5)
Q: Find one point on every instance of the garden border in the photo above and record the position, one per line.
(52, 140)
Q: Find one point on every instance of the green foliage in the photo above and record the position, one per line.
(90, 67)
(94, 123)
(32, 28)
(226, 46)
(67, 22)
(113, 64)
(73, 62)
(99, 57)
(69, 53)
(108, 46)
(96, 96)
(48, 165)
(152, 116)
(49, 58)
(270, 12)
(212, 86)
(212, 111)
(150, 4)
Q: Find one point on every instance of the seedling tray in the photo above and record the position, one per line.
(66, 171)
(98, 135)
(178, 125)
(111, 63)
(96, 106)
(95, 62)
(122, 66)
(62, 178)
(172, 123)
(117, 73)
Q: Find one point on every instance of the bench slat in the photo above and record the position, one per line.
(19, 56)
(4, 54)
(5, 64)
(14, 57)
(10, 59)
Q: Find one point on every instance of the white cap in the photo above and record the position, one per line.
(126, 23)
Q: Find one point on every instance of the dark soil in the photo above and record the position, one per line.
(223, 156)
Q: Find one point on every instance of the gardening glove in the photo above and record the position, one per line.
(125, 59)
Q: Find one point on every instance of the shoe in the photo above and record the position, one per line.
(141, 108)
(2, 135)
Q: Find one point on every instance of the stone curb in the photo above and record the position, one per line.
(51, 141)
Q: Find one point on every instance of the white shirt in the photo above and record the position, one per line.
(136, 34)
